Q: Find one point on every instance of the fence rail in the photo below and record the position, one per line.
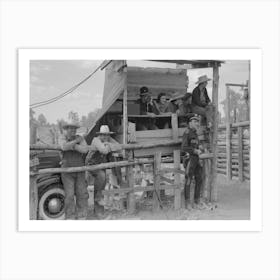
(160, 181)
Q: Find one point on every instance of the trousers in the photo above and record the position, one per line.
(75, 185)
(206, 112)
(193, 169)
(99, 183)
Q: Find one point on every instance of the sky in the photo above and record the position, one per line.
(49, 78)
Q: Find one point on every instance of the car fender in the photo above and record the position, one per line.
(48, 181)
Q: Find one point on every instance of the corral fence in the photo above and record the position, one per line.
(160, 181)
(233, 150)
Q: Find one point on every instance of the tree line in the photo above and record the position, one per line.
(85, 121)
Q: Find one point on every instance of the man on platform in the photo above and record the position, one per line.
(103, 146)
(147, 107)
(191, 150)
(201, 103)
(73, 149)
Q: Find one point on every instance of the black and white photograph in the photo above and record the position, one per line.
(140, 139)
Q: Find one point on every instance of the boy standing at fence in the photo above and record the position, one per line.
(73, 149)
(191, 150)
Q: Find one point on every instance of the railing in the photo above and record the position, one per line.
(160, 181)
(233, 158)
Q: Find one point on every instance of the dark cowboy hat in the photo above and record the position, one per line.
(144, 90)
(192, 116)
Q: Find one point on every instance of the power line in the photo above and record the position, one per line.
(51, 100)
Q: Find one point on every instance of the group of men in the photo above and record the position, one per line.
(76, 152)
(182, 104)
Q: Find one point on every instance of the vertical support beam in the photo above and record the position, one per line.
(156, 194)
(125, 119)
(130, 180)
(249, 91)
(228, 135)
(33, 132)
(215, 91)
(177, 191)
(240, 153)
(174, 124)
(33, 198)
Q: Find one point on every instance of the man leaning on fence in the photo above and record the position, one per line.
(73, 149)
(191, 150)
(103, 145)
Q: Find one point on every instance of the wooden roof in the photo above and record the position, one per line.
(193, 63)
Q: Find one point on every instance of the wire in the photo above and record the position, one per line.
(51, 100)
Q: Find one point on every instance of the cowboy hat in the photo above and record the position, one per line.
(70, 124)
(177, 96)
(192, 116)
(104, 129)
(202, 79)
(183, 96)
(144, 91)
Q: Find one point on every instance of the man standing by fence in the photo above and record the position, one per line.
(73, 147)
(191, 151)
(104, 145)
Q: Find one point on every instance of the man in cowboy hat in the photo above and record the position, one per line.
(191, 150)
(147, 107)
(182, 106)
(201, 101)
(103, 145)
(73, 149)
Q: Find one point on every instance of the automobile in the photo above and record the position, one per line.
(50, 188)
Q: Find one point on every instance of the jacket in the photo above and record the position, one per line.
(196, 97)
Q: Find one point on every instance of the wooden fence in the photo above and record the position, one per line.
(233, 153)
(161, 182)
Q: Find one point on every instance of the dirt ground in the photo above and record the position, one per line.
(233, 204)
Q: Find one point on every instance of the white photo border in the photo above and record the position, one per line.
(255, 222)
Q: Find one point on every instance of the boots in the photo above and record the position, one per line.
(188, 205)
(98, 210)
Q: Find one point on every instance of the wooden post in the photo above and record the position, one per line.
(33, 198)
(33, 132)
(249, 91)
(156, 195)
(228, 134)
(174, 124)
(215, 90)
(125, 119)
(177, 191)
(240, 153)
(130, 181)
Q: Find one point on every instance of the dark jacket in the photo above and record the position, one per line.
(190, 142)
(196, 97)
(147, 108)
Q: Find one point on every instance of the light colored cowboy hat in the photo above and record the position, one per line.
(183, 96)
(104, 129)
(202, 79)
(177, 96)
(70, 124)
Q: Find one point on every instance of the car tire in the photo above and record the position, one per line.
(54, 190)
